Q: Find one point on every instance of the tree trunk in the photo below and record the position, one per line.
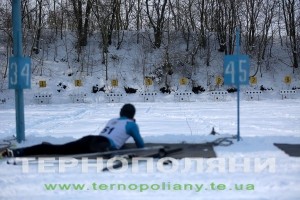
(158, 24)
(288, 7)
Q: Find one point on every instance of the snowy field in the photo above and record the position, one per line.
(262, 124)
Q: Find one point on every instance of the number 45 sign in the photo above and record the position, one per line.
(236, 70)
(19, 73)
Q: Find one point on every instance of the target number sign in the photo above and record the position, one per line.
(253, 80)
(42, 84)
(236, 70)
(148, 81)
(219, 80)
(19, 73)
(114, 82)
(183, 81)
(78, 83)
(288, 80)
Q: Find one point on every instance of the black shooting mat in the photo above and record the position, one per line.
(183, 150)
(290, 149)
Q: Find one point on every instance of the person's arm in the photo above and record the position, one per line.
(133, 130)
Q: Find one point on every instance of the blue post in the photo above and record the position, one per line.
(237, 52)
(17, 51)
(236, 72)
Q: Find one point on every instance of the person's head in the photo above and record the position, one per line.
(128, 110)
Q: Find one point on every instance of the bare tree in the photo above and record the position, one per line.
(202, 8)
(39, 17)
(138, 20)
(290, 15)
(56, 15)
(226, 19)
(252, 10)
(82, 22)
(156, 14)
(6, 34)
(116, 22)
(262, 34)
(183, 19)
(103, 14)
(196, 23)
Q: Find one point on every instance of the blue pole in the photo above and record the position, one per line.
(238, 83)
(17, 51)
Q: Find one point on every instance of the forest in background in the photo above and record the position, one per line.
(195, 28)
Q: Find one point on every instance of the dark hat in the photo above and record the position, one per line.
(128, 110)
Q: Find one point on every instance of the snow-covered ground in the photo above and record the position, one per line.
(262, 124)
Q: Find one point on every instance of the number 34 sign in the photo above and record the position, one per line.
(19, 72)
(236, 70)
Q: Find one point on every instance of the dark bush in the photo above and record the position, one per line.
(231, 90)
(262, 88)
(198, 89)
(96, 89)
(61, 87)
(129, 90)
(102, 89)
(165, 89)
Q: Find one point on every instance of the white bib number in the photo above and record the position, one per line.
(115, 130)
